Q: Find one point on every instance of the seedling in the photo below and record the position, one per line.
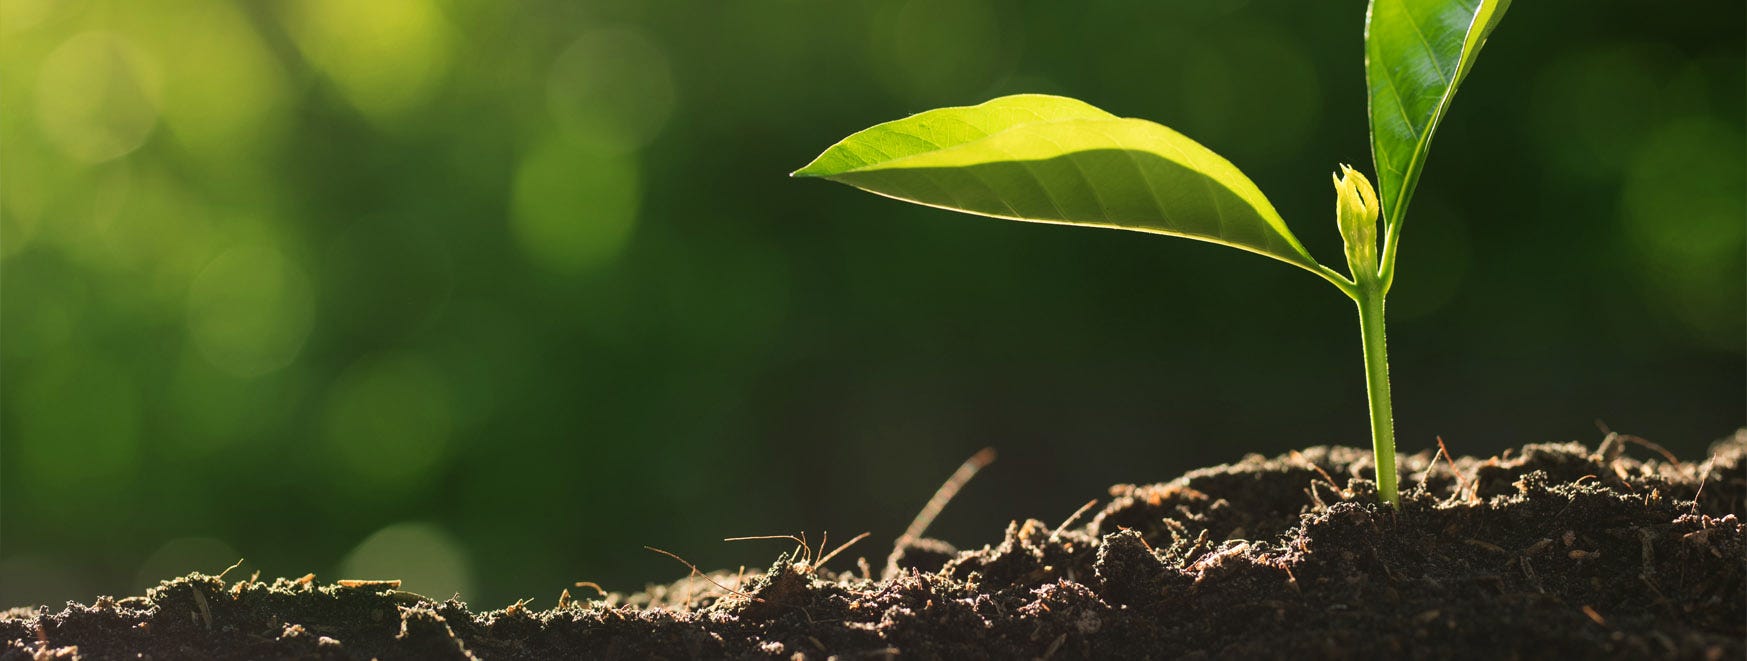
(1052, 159)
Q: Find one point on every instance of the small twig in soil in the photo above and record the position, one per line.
(1299, 456)
(820, 563)
(238, 587)
(806, 549)
(1461, 482)
(1201, 542)
(1611, 446)
(1612, 438)
(792, 538)
(945, 493)
(1672, 460)
(392, 584)
(938, 502)
(1704, 477)
(1143, 542)
(227, 570)
(699, 573)
(592, 586)
(1054, 534)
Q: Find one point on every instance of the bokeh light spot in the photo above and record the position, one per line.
(97, 97)
(611, 88)
(1682, 206)
(387, 422)
(386, 56)
(250, 310)
(21, 15)
(225, 84)
(24, 193)
(573, 208)
(426, 559)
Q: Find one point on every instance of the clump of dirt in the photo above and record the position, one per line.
(1555, 551)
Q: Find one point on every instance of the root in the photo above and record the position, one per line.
(1057, 533)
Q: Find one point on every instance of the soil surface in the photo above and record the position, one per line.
(1551, 551)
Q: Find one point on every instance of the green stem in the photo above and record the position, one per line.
(1370, 301)
(1386, 269)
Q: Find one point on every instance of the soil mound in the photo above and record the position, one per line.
(1553, 551)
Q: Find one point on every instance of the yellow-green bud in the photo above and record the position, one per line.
(1356, 209)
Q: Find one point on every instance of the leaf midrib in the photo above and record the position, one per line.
(1410, 176)
(1104, 212)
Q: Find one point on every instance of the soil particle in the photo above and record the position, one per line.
(1553, 551)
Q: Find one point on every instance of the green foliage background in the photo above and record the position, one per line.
(488, 295)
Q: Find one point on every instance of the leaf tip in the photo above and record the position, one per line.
(815, 169)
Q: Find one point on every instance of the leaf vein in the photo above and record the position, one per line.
(1425, 43)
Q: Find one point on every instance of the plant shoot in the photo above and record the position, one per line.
(1052, 159)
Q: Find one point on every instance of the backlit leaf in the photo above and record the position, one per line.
(1416, 53)
(1051, 159)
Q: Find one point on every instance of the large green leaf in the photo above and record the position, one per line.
(1051, 159)
(1416, 53)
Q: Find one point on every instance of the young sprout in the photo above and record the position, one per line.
(1052, 159)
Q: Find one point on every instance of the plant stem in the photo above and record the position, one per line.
(1370, 300)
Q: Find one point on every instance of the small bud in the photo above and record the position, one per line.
(1356, 210)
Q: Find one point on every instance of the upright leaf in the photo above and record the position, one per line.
(1051, 159)
(1416, 53)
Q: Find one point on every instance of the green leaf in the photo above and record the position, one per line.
(1050, 159)
(1416, 53)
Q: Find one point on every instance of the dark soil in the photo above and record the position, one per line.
(1555, 551)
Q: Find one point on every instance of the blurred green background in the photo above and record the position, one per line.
(489, 295)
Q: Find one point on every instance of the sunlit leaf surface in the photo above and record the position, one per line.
(1050, 159)
(1416, 53)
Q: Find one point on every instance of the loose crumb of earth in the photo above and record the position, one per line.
(1551, 551)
